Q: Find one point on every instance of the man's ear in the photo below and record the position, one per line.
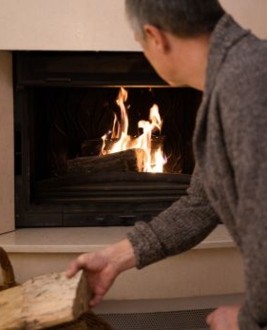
(156, 37)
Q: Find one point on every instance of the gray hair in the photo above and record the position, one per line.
(183, 18)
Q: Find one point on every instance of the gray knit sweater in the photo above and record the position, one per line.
(229, 183)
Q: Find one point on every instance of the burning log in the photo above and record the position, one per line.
(131, 160)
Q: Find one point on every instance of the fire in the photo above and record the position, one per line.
(154, 159)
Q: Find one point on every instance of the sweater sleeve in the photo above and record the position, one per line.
(245, 125)
(180, 227)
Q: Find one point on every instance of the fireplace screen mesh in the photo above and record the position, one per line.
(175, 320)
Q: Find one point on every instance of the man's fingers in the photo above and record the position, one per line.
(72, 270)
(75, 266)
(209, 318)
(96, 300)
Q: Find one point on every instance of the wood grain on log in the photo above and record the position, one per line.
(43, 302)
(125, 161)
(11, 307)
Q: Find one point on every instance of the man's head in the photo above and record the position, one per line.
(174, 35)
(183, 18)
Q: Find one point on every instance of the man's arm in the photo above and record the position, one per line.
(182, 226)
(177, 229)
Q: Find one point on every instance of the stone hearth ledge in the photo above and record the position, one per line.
(83, 239)
(206, 270)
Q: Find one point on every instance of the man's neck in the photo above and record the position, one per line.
(193, 55)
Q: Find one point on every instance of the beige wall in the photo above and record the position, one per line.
(90, 24)
(6, 145)
(64, 25)
(250, 13)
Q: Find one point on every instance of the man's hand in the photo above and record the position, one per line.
(224, 318)
(102, 267)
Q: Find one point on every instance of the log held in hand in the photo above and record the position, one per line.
(44, 301)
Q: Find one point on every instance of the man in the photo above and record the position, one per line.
(195, 43)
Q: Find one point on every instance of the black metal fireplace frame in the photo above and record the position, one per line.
(85, 69)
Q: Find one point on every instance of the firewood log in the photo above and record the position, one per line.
(7, 271)
(44, 301)
(131, 160)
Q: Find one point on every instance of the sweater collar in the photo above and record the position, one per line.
(226, 34)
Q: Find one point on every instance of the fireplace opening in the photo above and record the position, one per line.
(88, 129)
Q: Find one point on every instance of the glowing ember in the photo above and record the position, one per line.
(154, 159)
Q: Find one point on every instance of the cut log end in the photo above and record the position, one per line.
(44, 301)
(53, 299)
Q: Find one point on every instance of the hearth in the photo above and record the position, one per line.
(68, 118)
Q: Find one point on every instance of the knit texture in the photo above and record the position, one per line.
(229, 183)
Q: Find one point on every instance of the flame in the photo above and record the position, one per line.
(154, 159)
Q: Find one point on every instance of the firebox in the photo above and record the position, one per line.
(100, 139)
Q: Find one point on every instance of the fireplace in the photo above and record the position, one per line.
(65, 103)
